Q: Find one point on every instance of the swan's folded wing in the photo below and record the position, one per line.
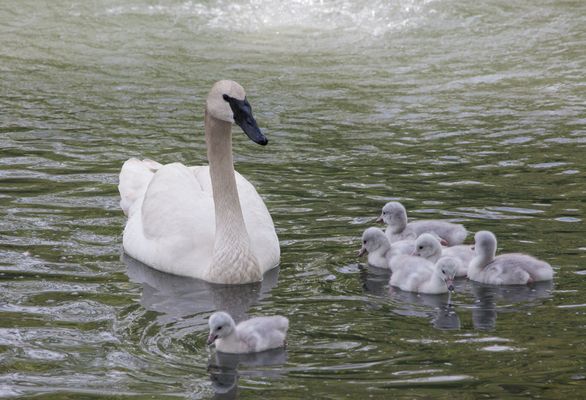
(134, 179)
(175, 205)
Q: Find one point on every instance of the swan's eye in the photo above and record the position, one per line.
(364, 242)
(219, 327)
(443, 272)
(420, 247)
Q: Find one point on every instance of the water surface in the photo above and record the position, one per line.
(459, 109)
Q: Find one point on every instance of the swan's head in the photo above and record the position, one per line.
(394, 215)
(221, 325)
(428, 246)
(372, 240)
(448, 267)
(485, 244)
(227, 102)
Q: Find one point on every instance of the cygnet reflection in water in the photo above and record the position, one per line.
(434, 307)
(225, 369)
(485, 309)
(178, 296)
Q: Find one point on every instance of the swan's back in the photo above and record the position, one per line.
(513, 269)
(409, 262)
(464, 253)
(402, 247)
(452, 233)
(411, 275)
(537, 270)
(263, 333)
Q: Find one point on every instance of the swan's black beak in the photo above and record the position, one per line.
(244, 119)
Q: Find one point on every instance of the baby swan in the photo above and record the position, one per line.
(380, 251)
(506, 269)
(250, 336)
(429, 247)
(421, 279)
(394, 216)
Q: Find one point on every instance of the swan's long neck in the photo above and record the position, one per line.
(233, 260)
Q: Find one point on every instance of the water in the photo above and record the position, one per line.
(472, 111)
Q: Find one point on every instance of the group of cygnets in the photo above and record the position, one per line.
(425, 256)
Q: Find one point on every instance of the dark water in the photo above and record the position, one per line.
(462, 110)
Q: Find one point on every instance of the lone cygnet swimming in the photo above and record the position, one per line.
(506, 269)
(380, 251)
(250, 336)
(394, 215)
(428, 246)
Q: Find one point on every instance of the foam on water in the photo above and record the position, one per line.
(374, 17)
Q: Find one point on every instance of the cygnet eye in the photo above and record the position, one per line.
(364, 241)
(420, 247)
(219, 327)
(443, 271)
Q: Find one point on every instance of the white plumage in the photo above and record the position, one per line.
(250, 336)
(394, 215)
(428, 246)
(421, 277)
(380, 251)
(506, 269)
(205, 222)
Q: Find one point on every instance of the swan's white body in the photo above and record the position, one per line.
(428, 246)
(202, 222)
(380, 251)
(394, 215)
(421, 278)
(506, 269)
(250, 336)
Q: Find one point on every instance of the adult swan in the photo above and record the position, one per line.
(203, 222)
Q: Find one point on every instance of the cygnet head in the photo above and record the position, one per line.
(428, 247)
(448, 267)
(485, 244)
(394, 215)
(227, 102)
(221, 325)
(372, 240)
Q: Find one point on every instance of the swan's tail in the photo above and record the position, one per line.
(135, 176)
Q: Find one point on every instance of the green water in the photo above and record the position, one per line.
(473, 111)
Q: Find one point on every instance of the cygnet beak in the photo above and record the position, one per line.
(443, 242)
(379, 219)
(450, 283)
(211, 338)
(362, 251)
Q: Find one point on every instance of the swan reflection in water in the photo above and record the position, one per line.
(437, 307)
(225, 369)
(176, 297)
(485, 309)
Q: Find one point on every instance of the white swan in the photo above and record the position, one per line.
(250, 336)
(394, 215)
(380, 251)
(420, 278)
(428, 246)
(506, 269)
(203, 222)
